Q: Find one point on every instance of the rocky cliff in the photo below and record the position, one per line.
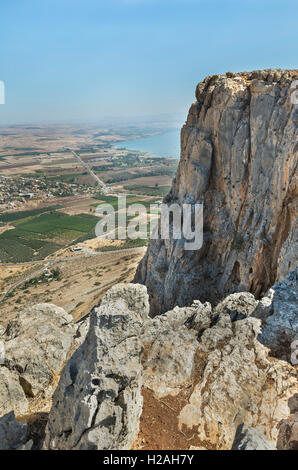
(187, 378)
(199, 376)
(195, 377)
(239, 157)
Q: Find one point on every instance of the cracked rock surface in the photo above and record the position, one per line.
(12, 432)
(247, 438)
(239, 157)
(36, 344)
(213, 354)
(98, 402)
(288, 428)
(170, 344)
(12, 396)
(238, 383)
(280, 319)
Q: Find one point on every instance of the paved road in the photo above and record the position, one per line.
(85, 165)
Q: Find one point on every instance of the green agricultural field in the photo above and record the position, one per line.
(149, 190)
(36, 237)
(138, 243)
(113, 200)
(57, 222)
(14, 216)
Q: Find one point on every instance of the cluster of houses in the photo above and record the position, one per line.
(15, 191)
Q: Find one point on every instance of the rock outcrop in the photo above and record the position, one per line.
(279, 312)
(239, 157)
(98, 402)
(208, 359)
(223, 366)
(251, 439)
(12, 432)
(36, 345)
(288, 428)
(238, 383)
(12, 396)
(170, 343)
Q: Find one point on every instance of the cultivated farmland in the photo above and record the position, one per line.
(35, 237)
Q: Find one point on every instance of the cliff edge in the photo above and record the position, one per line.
(239, 157)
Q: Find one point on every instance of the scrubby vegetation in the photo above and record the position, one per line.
(46, 277)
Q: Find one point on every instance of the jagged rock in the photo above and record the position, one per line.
(288, 428)
(36, 345)
(27, 446)
(135, 296)
(12, 432)
(170, 343)
(2, 330)
(98, 401)
(248, 438)
(197, 317)
(238, 383)
(230, 376)
(287, 259)
(264, 307)
(202, 318)
(239, 157)
(280, 325)
(12, 396)
(238, 306)
(82, 330)
(169, 362)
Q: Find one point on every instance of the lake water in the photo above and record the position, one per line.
(163, 145)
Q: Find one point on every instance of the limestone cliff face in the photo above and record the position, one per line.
(239, 156)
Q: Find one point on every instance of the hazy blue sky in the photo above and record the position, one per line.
(86, 59)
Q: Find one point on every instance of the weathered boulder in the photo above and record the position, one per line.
(82, 330)
(135, 297)
(170, 343)
(37, 342)
(12, 396)
(248, 438)
(288, 428)
(238, 306)
(12, 432)
(239, 157)
(98, 401)
(27, 446)
(237, 383)
(280, 321)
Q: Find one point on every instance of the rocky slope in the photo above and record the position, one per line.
(195, 377)
(35, 346)
(98, 402)
(239, 157)
(209, 361)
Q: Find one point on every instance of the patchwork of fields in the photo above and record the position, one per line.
(41, 232)
(37, 234)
